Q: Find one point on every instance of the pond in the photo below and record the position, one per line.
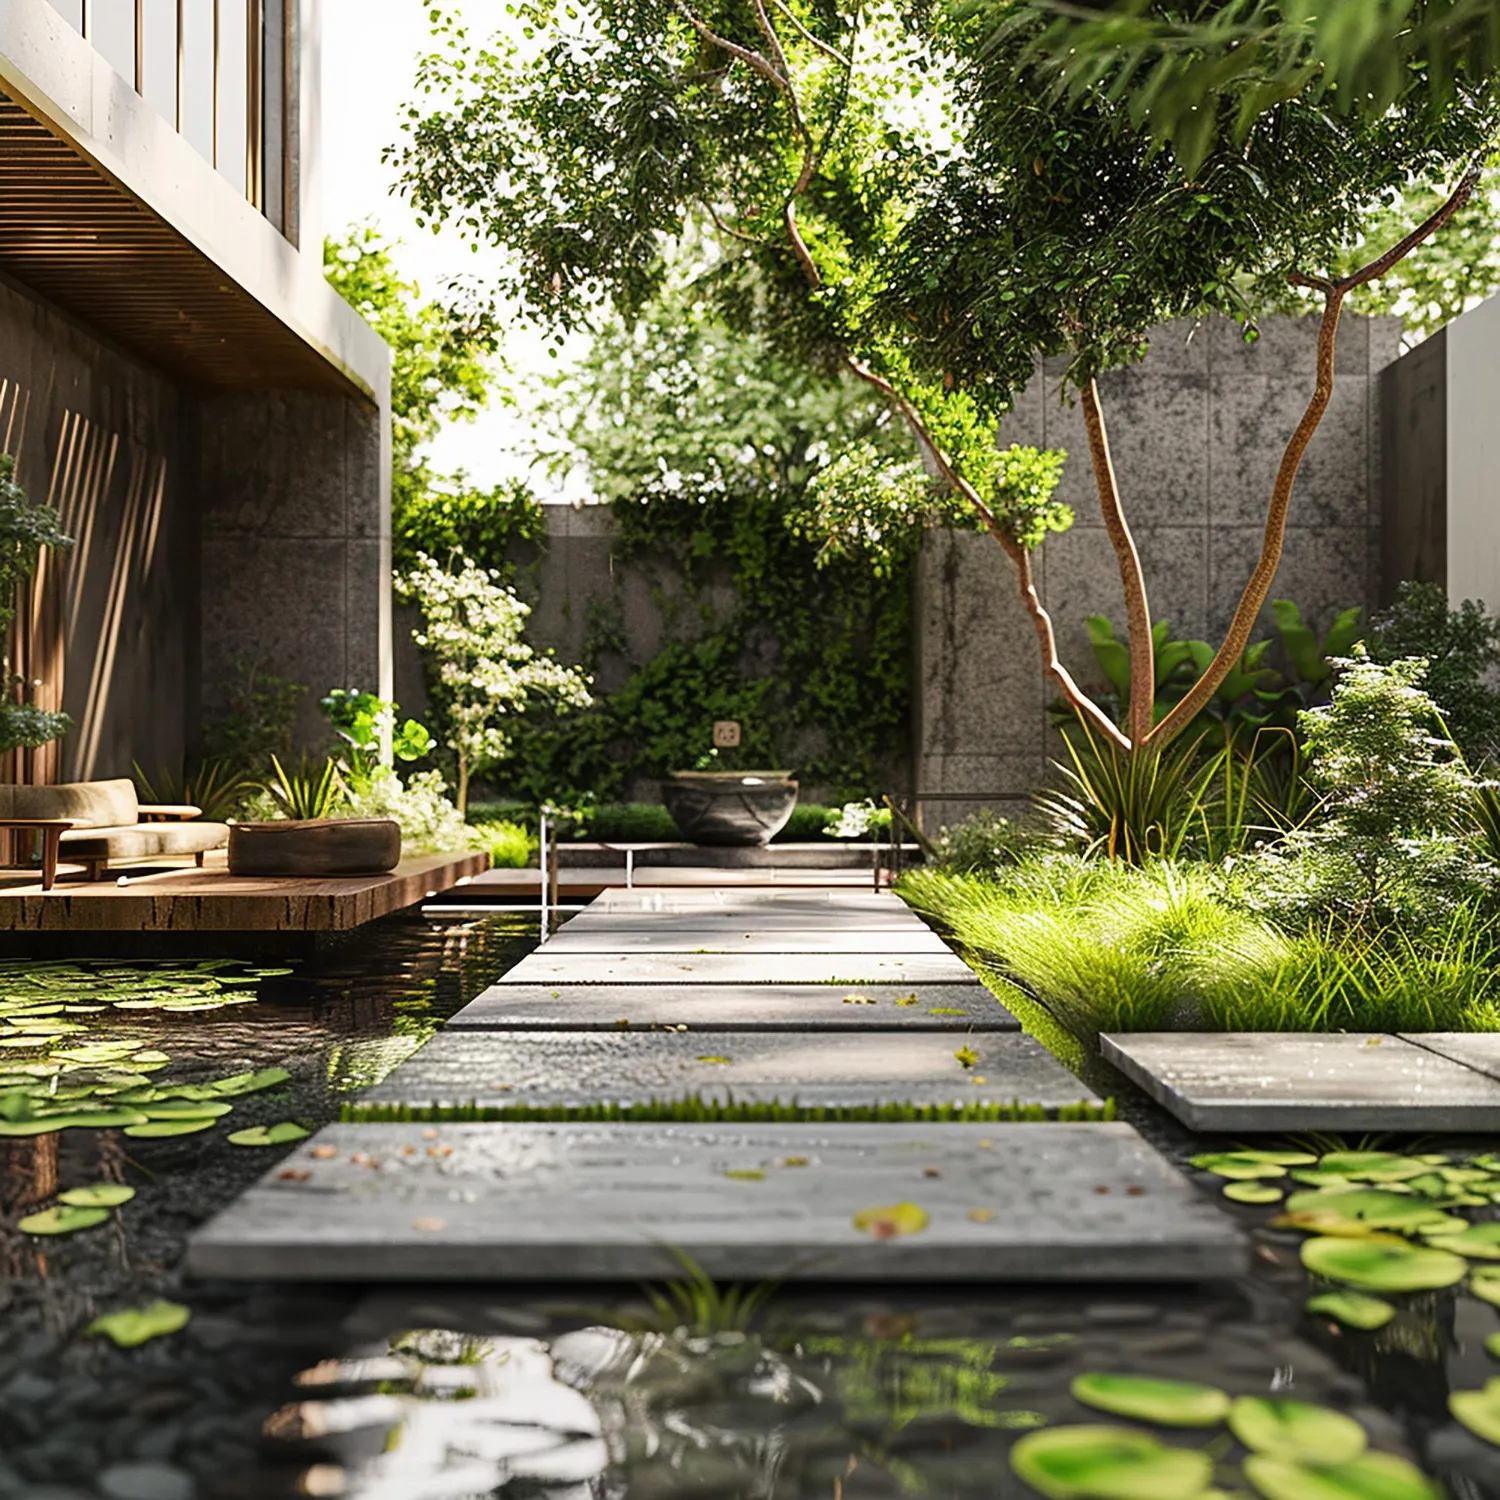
(574, 1393)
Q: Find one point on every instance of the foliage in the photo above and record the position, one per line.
(430, 823)
(1099, 945)
(1128, 805)
(211, 785)
(858, 820)
(258, 722)
(1462, 650)
(24, 530)
(364, 722)
(313, 788)
(484, 675)
(509, 845)
(981, 845)
(1393, 838)
(449, 518)
(1205, 76)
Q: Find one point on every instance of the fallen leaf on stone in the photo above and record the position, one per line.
(893, 1220)
(979, 1078)
(981, 1215)
(793, 1161)
(986, 1145)
(966, 1056)
(294, 1174)
(932, 1171)
(429, 1226)
(746, 1174)
(440, 1150)
(711, 1059)
(623, 1021)
(429, 1135)
(907, 1000)
(135, 1326)
(324, 1153)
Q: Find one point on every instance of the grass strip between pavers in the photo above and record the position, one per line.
(694, 1110)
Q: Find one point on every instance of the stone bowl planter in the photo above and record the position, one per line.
(313, 847)
(729, 807)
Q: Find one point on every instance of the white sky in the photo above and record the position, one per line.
(370, 49)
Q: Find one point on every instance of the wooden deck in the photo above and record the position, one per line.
(212, 901)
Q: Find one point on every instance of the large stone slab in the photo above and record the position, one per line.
(583, 1202)
(743, 938)
(574, 1069)
(1281, 1081)
(735, 1007)
(1479, 1050)
(768, 919)
(736, 901)
(545, 967)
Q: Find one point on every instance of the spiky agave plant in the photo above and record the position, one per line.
(312, 790)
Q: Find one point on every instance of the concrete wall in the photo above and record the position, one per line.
(1197, 430)
(97, 435)
(295, 544)
(1471, 542)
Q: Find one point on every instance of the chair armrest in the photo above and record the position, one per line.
(168, 812)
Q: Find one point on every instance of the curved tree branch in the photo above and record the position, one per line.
(1132, 577)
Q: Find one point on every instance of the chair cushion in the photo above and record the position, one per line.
(87, 804)
(143, 840)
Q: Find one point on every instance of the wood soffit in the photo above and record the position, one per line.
(78, 238)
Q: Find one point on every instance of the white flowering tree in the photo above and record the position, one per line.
(486, 674)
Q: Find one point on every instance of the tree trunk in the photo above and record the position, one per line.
(461, 794)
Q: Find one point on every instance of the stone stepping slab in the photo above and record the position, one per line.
(742, 938)
(739, 901)
(1285, 1081)
(769, 920)
(1479, 1050)
(543, 967)
(830, 1070)
(735, 1007)
(570, 1202)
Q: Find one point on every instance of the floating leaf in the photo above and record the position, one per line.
(268, 1135)
(186, 1109)
(1479, 1411)
(1108, 1463)
(64, 1220)
(889, 1222)
(1252, 1192)
(1492, 1346)
(1377, 1208)
(159, 1129)
(99, 1195)
(249, 1083)
(1478, 1241)
(1172, 1403)
(1374, 1166)
(1240, 1166)
(134, 1326)
(1296, 1429)
(1485, 1284)
(1352, 1309)
(103, 1119)
(1372, 1476)
(1383, 1265)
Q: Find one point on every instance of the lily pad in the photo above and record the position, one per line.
(1352, 1309)
(248, 1083)
(186, 1109)
(135, 1326)
(1485, 1284)
(1296, 1430)
(1478, 1241)
(159, 1129)
(1242, 1166)
(1377, 1208)
(1374, 1166)
(1383, 1265)
(64, 1220)
(890, 1222)
(1479, 1411)
(1109, 1463)
(1172, 1403)
(1252, 1192)
(268, 1135)
(1371, 1476)
(1492, 1346)
(98, 1195)
(104, 1119)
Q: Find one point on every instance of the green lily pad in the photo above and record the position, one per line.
(186, 1109)
(1477, 1241)
(249, 1083)
(105, 1119)
(158, 1129)
(268, 1135)
(98, 1195)
(1377, 1208)
(1296, 1430)
(1352, 1309)
(1371, 1476)
(1380, 1265)
(1109, 1463)
(1492, 1346)
(135, 1326)
(1479, 1411)
(1374, 1166)
(1252, 1192)
(1172, 1403)
(64, 1220)
(1245, 1166)
(1485, 1284)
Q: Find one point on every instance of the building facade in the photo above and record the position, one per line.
(209, 417)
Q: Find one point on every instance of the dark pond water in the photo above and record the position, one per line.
(567, 1393)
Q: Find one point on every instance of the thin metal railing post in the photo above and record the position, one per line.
(553, 892)
(542, 842)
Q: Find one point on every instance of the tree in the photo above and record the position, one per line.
(484, 673)
(899, 191)
(441, 371)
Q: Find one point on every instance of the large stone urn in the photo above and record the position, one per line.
(729, 807)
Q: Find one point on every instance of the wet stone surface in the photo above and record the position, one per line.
(748, 1007)
(543, 967)
(578, 1068)
(997, 1202)
(743, 937)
